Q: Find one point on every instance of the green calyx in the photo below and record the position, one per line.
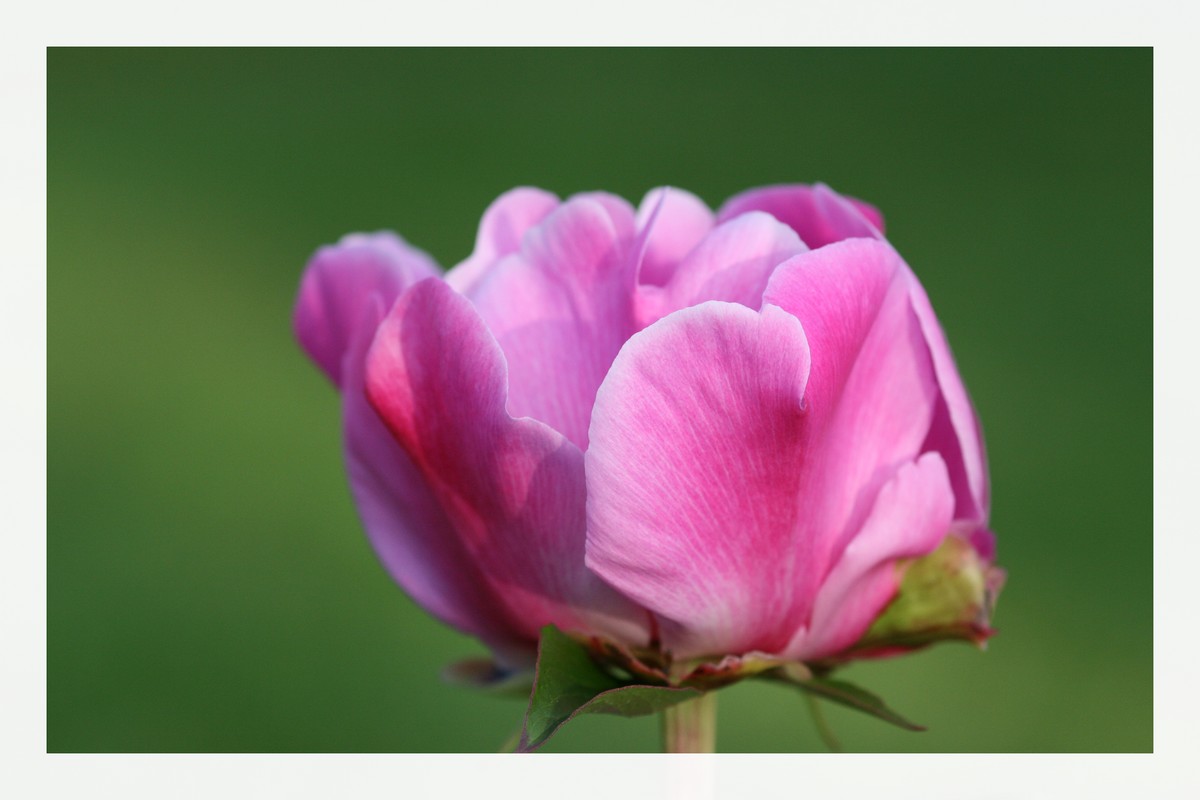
(948, 594)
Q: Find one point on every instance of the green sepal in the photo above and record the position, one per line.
(841, 692)
(567, 683)
(948, 594)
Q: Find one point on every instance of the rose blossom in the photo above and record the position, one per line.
(708, 433)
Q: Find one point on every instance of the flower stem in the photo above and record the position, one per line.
(691, 726)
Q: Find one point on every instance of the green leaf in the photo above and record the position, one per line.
(568, 683)
(844, 693)
(823, 730)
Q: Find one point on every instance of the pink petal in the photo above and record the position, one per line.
(692, 478)
(500, 233)
(732, 263)
(871, 394)
(817, 213)
(561, 308)
(337, 286)
(955, 432)
(512, 489)
(620, 213)
(680, 221)
(820, 215)
(909, 518)
(712, 495)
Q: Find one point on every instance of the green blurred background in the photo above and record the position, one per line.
(209, 587)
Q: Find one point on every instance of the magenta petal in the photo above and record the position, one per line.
(343, 297)
(680, 221)
(512, 489)
(561, 308)
(732, 263)
(984, 542)
(338, 284)
(909, 518)
(814, 212)
(407, 527)
(692, 479)
(500, 232)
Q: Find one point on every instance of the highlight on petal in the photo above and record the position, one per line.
(512, 490)
(732, 263)
(909, 518)
(338, 284)
(680, 221)
(501, 232)
(818, 214)
(560, 309)
(692, 479)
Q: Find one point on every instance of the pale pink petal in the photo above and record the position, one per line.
(732, 263)
(512, 489)
(680, 221)
(814, 212)
(871, 394)
(337, 285)
(500, 233)
(909, 518)
(692, 476)
(561, 308)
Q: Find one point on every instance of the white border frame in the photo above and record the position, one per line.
(30, 772)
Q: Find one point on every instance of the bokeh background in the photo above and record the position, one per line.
(209, 587)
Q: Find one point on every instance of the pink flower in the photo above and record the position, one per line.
(714, 433)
